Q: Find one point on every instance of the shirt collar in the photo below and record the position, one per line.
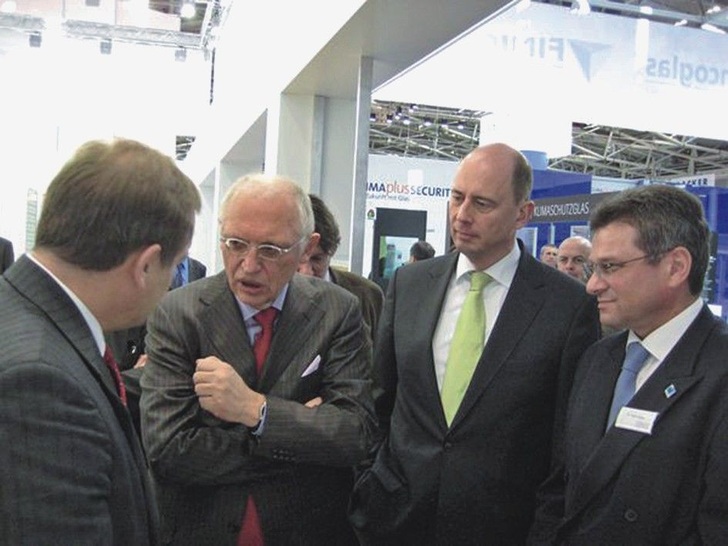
(93, 324)
(249, 311)
(660, 342)
(502, 271)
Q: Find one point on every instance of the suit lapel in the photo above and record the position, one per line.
(591, 406)
(52, 300)
(523, 302)
(299, 317)
(677, 372)
(225, 328)
(228, 335)
(435, 282)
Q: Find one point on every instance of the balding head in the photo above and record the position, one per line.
(573, 256)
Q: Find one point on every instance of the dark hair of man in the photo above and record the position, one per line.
(665, 217)
(113, 198)
(422, 250)
(326, 226)
(522, 178)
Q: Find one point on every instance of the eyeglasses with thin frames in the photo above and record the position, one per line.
(605, 269)
(265, 251)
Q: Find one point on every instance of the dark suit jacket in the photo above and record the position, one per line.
(300, 469)
(197, 270)
(73, 470)
(128, 345)
(370, 295)
(626, 487)
(475, 482)
(7, 256)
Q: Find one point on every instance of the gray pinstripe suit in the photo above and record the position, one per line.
(72, 468)
(300, 468)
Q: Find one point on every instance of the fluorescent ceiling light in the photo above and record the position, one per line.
(712, 28)
(580, 7)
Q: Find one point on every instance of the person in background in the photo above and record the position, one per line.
(645, 462)
(73, 469)
(548, 254)
(318, 263)
(378, 275)
(256, 396)
(472, 411)
(421, 250)
(7, 256)
(188, 270)
(128, 345)
(573, 257)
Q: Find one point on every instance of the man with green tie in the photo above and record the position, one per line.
(473, 365)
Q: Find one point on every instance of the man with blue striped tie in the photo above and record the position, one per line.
(646, 440)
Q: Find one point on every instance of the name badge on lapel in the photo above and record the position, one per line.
(636, 419)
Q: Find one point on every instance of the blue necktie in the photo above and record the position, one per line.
(179, 276)
(626, 382)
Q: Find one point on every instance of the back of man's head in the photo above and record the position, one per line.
(113, 198)
(421, 250)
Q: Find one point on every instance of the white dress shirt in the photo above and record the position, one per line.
(660, 342)
(494, 294)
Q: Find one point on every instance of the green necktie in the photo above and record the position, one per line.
(466, 346)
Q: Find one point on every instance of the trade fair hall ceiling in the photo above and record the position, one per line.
(418, 119)
(441, 132)
(167, 23)
(434, 132)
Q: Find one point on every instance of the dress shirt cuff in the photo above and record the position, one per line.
(257, 430)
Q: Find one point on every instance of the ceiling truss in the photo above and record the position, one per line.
(610, 152)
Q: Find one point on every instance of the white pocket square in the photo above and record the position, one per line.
(312, 367)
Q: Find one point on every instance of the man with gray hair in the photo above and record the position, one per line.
(256, 398)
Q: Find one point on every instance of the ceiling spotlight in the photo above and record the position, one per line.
(105, 47)
(681, 23)
(188, 10)
(35, 39)
(580, 7)
(712, 28)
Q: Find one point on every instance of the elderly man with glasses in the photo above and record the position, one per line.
(256, 401)
(645, 451)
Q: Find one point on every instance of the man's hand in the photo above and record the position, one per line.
(314, 402)
(222, 392)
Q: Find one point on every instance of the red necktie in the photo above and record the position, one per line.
(115, 374)
(261, 346)
(251, 533)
